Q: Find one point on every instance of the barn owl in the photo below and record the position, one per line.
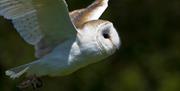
(64, 42)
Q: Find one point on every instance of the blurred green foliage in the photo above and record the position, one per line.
(148, 60)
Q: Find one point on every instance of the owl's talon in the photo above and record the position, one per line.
(33, 81)
(36, 83)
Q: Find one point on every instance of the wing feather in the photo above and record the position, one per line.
(39, 20)
(92, 12)
(24, 18)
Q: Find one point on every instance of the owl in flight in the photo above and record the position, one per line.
(64, 42)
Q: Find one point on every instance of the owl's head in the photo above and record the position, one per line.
(99, 35)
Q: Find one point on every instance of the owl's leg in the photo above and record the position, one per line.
(33, 81)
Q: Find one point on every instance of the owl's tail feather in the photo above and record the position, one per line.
(17, 71)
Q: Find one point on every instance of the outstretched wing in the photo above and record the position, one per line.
(39, 20)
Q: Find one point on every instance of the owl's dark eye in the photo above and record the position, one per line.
(106, 35)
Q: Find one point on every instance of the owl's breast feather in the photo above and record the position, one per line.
(81, 57)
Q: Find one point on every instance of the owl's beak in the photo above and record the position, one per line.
(116, 41)
(116, 44)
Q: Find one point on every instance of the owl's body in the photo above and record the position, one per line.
(58, 52)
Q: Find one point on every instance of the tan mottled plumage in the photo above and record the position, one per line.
(92, 12)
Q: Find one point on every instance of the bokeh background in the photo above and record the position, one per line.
(148, 60)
